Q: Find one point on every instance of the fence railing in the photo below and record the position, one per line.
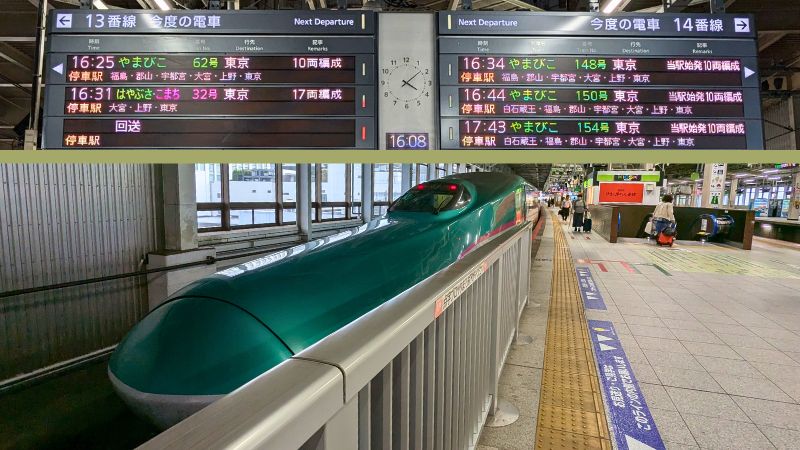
(420, 371)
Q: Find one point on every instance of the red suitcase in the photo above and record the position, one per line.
(664, 239)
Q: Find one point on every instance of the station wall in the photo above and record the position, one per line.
(62, 223)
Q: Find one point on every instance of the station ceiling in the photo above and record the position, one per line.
(535, 174)
(539, 174)
(778, 24)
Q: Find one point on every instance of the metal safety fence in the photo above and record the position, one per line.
(419, 372)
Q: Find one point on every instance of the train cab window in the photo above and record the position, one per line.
(432, 198)
(463, 199)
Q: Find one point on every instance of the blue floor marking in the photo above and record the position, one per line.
(634, 427)
(592, 298)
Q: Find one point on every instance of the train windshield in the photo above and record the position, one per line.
(432, 198)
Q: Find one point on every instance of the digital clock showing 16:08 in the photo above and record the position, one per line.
(407, 141)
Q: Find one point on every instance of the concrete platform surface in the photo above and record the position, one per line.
(712, 334)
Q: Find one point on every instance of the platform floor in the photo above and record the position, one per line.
(778, 220)
(711, 333)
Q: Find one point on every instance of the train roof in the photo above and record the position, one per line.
(489, 185)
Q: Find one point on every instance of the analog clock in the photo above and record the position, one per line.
(407, 98)
(406, 82)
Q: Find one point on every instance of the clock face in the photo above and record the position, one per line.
(406, 82)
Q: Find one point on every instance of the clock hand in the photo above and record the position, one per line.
(415, 75)
(406, 83)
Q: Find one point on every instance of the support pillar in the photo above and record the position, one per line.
(367, 194)
(717, 6)
(179, 236)
(713, 185)
(794, 202)
(405, 177)
(304, 210)
(696, 196)
(732, 195)
(180, 207)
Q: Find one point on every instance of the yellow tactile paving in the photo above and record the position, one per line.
(571, 412)
(562, 439)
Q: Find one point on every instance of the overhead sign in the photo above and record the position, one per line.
(629, 175)
(588, 24)
(715, 183)
(579, 80)
(624, 192)
(210, 79)
(634, 427)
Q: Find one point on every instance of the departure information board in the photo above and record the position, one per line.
(210, 79)
(585, 81)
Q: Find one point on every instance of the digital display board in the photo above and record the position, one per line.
(210, 79)
(587, 81)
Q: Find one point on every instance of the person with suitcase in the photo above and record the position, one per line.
(666, 237)
(578, 210)
(664, 219)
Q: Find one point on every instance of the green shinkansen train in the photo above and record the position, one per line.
(222, 331)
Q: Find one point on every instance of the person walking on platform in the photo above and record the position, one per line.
(578, 211)
(565, 207)
(663, 216)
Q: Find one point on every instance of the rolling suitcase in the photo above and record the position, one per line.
(665, 239)
(587, 225)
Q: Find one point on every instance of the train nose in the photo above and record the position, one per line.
(187, 353)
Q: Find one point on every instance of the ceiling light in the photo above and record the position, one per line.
(774, 178)
(770, 171)
(163, 5)
(611, 6)
(742, 175)
(99, 4)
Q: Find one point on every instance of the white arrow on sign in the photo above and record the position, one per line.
(635, 444)
(59, 69)
(64, 21)
(748, 72)
(741, 24)
(605, 347)
(601, 338)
